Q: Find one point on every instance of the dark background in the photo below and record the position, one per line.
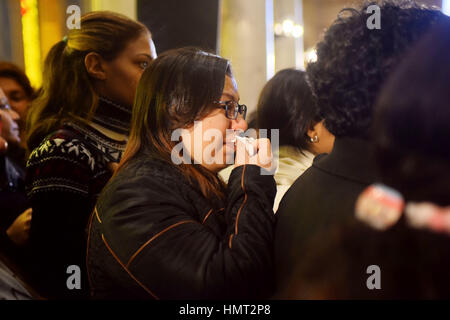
(175, 23)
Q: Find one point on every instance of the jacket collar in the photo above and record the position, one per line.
(351, 159)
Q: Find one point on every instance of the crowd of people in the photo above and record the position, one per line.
(130, 168)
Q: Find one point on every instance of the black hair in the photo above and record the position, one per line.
(178, 88)
(286, 103)
(411, 124)
(354, 61)
(10, 70)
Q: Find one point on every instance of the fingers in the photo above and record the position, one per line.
(242, 156)
(19, 231)
(112, 166)
(263, 145)
(262, 157)
(3, 145)
(28, 215)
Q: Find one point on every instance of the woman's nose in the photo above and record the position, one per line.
(239, 124)
(14, 115)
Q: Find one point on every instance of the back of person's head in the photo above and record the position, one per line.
(354, 61)
(11, 71)
(286, 104)
(411, 124)
(178, 88)
(351, 260)
(67, 91)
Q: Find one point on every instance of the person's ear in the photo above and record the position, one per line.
(95, 66)
(314, 132)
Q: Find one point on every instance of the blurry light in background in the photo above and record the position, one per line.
(278, 29)
(446, 7)
(297, 31)
(311, 55)
(96, 5)
(288, 26)
(288, 29)
(31, 41)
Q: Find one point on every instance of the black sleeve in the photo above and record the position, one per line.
(59, 194)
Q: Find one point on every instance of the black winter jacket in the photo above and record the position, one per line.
(154, 236)
(323, 196)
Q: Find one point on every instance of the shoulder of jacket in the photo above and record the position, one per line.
(320, 157)
(156, 172)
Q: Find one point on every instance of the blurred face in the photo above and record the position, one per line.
(10, 128)
(124, 72)
(17, 98)
(205, 152)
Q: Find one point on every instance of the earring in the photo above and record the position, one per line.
(315, 139)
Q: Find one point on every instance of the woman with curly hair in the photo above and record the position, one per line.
(412, 148)
(353, 63)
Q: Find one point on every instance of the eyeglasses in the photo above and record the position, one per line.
(4, 105)
(233, 109)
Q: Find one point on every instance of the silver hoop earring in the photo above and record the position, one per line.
(315, 139)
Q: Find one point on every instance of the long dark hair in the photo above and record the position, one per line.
(67, 92)
(286, 103)
(178, 88)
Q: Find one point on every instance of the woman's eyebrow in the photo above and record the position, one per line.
(145, 54)
(233, 97)
(16, 92)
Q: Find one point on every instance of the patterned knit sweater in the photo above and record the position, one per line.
(64, 177)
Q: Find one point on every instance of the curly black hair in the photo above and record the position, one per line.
(354, 61)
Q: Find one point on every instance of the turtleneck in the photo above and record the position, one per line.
(113, 116)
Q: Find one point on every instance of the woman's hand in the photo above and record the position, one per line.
(263, 157)
(19, 231)
(3, 145)
(112, 166)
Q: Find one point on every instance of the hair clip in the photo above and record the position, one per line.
(428, 215)
(379, 206)
(65, 39)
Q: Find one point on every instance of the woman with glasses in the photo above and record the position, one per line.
(166, 226)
